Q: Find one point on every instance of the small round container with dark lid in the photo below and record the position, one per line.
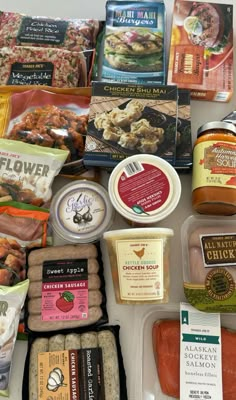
(214, 169)
(81, 212)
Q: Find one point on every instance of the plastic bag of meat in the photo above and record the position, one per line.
(69, 33)
(209, 262)
(92, 368)
(27, 171)
(42, 66)
(166, 350)
(12, 300)
(48, 119)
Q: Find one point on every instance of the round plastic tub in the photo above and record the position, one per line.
(144, 189)
(81, 211)
(139, 260)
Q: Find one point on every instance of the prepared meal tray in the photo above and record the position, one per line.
(130, 119)
(146, 384)
(66, 288)
(84, 364)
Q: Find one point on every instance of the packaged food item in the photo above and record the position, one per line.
(183, 154)
(47, 119)
(201, 49)
(81, 211)
(130, 119)
(134, 45)
(144, 189)
(209, 262)
(82, 362)
(12, 300)
(24, 225)
(214, 169)
(67, 33)
(42, 66)
(66, 288)
(139, 261)
(27, 171)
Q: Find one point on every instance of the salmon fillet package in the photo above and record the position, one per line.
(209, 262)
(69, 33)
(166, 350)
(201, 50)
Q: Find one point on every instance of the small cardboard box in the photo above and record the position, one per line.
(183, 155)
(127, 119)
(201, 50)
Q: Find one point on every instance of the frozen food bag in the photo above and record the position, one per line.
(27, 171)
(67, 33)
(12, 300)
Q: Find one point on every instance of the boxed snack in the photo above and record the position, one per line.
(77, 364)
(134, 42)
(209, 261)
(128, 119)
(201, 50)
(183, 155)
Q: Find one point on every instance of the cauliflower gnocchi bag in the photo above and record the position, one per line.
(27, 171)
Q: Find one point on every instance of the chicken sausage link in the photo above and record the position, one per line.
(69, 251)
(35, 288)
(106, 341)
(56, 343)
(35, 304)
(39, 345)
(72, 341)
(89, 340)
(35, 272)
(37, 325)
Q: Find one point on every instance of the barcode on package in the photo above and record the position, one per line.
(133, 168)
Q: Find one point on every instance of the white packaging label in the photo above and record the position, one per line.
(200, 355)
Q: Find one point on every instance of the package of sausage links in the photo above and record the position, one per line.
(69, 33)
(67, 288)
(75, 365)
(42, 66)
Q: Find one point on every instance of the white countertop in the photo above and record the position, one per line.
(201, 112)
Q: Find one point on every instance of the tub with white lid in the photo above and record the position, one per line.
(144, 189)
(80, 212)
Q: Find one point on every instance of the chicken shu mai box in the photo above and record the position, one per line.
(134, 42)
(128, 119)
(201, 50)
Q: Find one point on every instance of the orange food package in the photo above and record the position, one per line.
(201, 50)
(166, 348)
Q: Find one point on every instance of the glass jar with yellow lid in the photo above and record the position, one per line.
(214, 169)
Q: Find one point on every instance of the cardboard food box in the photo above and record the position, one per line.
(134, 42)
(128, 119)
(183, 155)
(201, 50)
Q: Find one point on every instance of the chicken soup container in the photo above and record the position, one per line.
(80, 212)
(144, 189)
(139, 260)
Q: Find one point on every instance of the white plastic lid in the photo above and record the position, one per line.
(139, 233)
(144, 188)
(81, 211)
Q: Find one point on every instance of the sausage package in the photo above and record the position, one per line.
(69, 33)
(83, 364)
(209, 262)
(12, 300)
(42, 66)
(67, 288)
(27, 171)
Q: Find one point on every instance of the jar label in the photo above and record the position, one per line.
(140, 269)
(214, 164)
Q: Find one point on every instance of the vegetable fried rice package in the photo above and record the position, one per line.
(12, 300)
(71, 34)
(42, 66)
(27, 171)
(47, 119)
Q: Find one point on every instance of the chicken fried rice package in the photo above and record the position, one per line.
(209, 262)
(69, 33)
(12, 300)
(27, 171)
